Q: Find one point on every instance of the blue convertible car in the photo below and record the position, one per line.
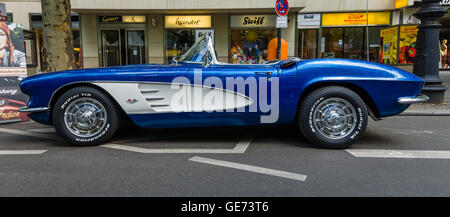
(328, 99)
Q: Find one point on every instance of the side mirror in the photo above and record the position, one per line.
(174, 60)
(207, 60)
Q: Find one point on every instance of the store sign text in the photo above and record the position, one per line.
(253, 21)
(351, 19)
(111, 19)
(445, 2)
(188, 21)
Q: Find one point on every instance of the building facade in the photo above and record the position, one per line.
(117, 32)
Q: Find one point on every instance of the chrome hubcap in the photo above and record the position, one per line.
(334, 118)
(85, 117)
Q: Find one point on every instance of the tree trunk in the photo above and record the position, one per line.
(57, 49)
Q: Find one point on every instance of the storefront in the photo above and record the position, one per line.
(250, 37)
(122, 40)
(341, 35)
(182, 31)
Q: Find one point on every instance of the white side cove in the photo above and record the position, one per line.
(154, 98)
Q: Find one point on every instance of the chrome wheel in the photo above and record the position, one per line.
(85, 117)
(334, 118)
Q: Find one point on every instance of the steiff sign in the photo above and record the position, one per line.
(253, 21)
(188, 22)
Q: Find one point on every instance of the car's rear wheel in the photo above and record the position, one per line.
(333, 117)
(84, 116)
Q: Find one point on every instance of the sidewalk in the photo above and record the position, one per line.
(427, 109)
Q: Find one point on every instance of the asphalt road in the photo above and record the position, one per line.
(235, 162)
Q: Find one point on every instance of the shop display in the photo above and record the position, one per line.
(388, 43)
(250, 46)
(408, 41)
(444, 50)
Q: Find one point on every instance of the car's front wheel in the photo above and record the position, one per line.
(84, 116)
(333, 117)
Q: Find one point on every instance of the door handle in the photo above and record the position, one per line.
(264, 73)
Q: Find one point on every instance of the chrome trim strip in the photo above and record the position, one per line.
(411, 100)
(33, 109)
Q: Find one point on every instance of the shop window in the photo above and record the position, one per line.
(354, 43)
(350, 43)
(332, 41)
(30, 47)
(307, 43)
(249, 46)
(374, 43)
(10, 17)
(36, 27)
(77, 47)
(444, 36)
(178, 41)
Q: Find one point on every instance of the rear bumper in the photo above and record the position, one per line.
(33, 109)
(411, 100)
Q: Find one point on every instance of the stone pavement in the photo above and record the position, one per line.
(427, 109)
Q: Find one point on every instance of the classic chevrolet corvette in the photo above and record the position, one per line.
(328, 99)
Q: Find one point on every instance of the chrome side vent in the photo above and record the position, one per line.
(157, 96)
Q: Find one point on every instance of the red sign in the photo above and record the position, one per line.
(282, 7)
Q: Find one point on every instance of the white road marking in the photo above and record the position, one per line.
(18, 152)
(411, 154)
(250, 168)
(43, 130)
(244, 143)
(168, 151)
(26, 133)
(240, 148)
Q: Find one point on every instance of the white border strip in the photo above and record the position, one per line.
(255, 169)
(411, 154)
(18, 152)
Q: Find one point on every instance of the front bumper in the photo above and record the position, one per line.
(33, 109)
(411, 100)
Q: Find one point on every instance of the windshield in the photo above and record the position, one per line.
(203, 52)
(198, 51)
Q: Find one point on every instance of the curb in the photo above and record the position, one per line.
(423, 112)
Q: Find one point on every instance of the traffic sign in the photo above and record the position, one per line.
(282, 7)
(282, 22)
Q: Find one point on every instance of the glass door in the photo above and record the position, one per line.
(111, 47)
(308, 44)
(135, 47)
(332, 42)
